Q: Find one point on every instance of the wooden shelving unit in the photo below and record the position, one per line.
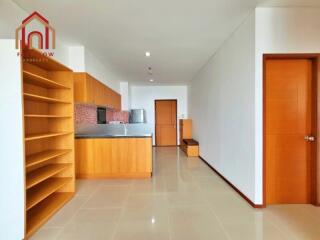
(49, 137)
(41, 81)
(39, 214)
(46, 116)
(43, 190)
(44, 156)
(37, 176)
(31, 137)
(35, 97)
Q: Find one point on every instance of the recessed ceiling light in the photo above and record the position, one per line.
(148, 54)
(151, 80)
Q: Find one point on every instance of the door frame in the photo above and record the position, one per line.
(155, 120)
(315, 175)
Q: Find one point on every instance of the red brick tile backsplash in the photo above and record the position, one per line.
(85, 114)
(88, 114)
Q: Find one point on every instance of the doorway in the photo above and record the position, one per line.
(166, 122)
(290, 129)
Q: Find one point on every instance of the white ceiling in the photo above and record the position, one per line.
(180, 34)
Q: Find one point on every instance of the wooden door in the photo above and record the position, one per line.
(166, 122)
(288, 120)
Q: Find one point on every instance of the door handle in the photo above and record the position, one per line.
(309, 138)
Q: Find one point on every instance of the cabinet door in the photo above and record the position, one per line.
(79, 84)
(118, 101)
(90, 90)
(108, 93)
(105, 96)
(111, 99)
(101, 98)
(98, 93)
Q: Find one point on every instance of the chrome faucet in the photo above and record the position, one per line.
(125, 128)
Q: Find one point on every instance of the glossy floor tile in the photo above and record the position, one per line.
(185, 200)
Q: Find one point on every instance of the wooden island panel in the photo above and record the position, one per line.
(114, 157)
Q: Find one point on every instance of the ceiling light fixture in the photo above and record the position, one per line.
(148, 54)
(151, 80)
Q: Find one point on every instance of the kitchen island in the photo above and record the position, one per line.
(113, 152)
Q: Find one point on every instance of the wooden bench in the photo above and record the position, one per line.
(190, 147)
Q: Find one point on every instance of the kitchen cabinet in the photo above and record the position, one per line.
(89, 90)
(114, 157)
(185, 129)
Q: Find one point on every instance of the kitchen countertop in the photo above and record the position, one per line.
(113, 131)
(106, 135)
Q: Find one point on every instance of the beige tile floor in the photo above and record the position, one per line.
(184, 200)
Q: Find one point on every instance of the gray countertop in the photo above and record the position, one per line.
(112, 136)
(112, 131)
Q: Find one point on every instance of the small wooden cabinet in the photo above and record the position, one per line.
(186, 133)
(185, 129)
(89, 90)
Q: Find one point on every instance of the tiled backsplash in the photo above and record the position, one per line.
(87, 114)
(119, 116)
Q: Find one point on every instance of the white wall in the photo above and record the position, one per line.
(221, 104)
(11, 142)
(99, 71)
(77, 58)
(226, 96)
(124, 91)
(144, 97)
(82, 60)
(11, 16)
(280, 30)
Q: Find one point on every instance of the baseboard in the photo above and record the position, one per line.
(234, 187)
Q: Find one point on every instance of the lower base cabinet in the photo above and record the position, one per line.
(113, 157)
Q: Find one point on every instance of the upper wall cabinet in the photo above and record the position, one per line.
(89, 90)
